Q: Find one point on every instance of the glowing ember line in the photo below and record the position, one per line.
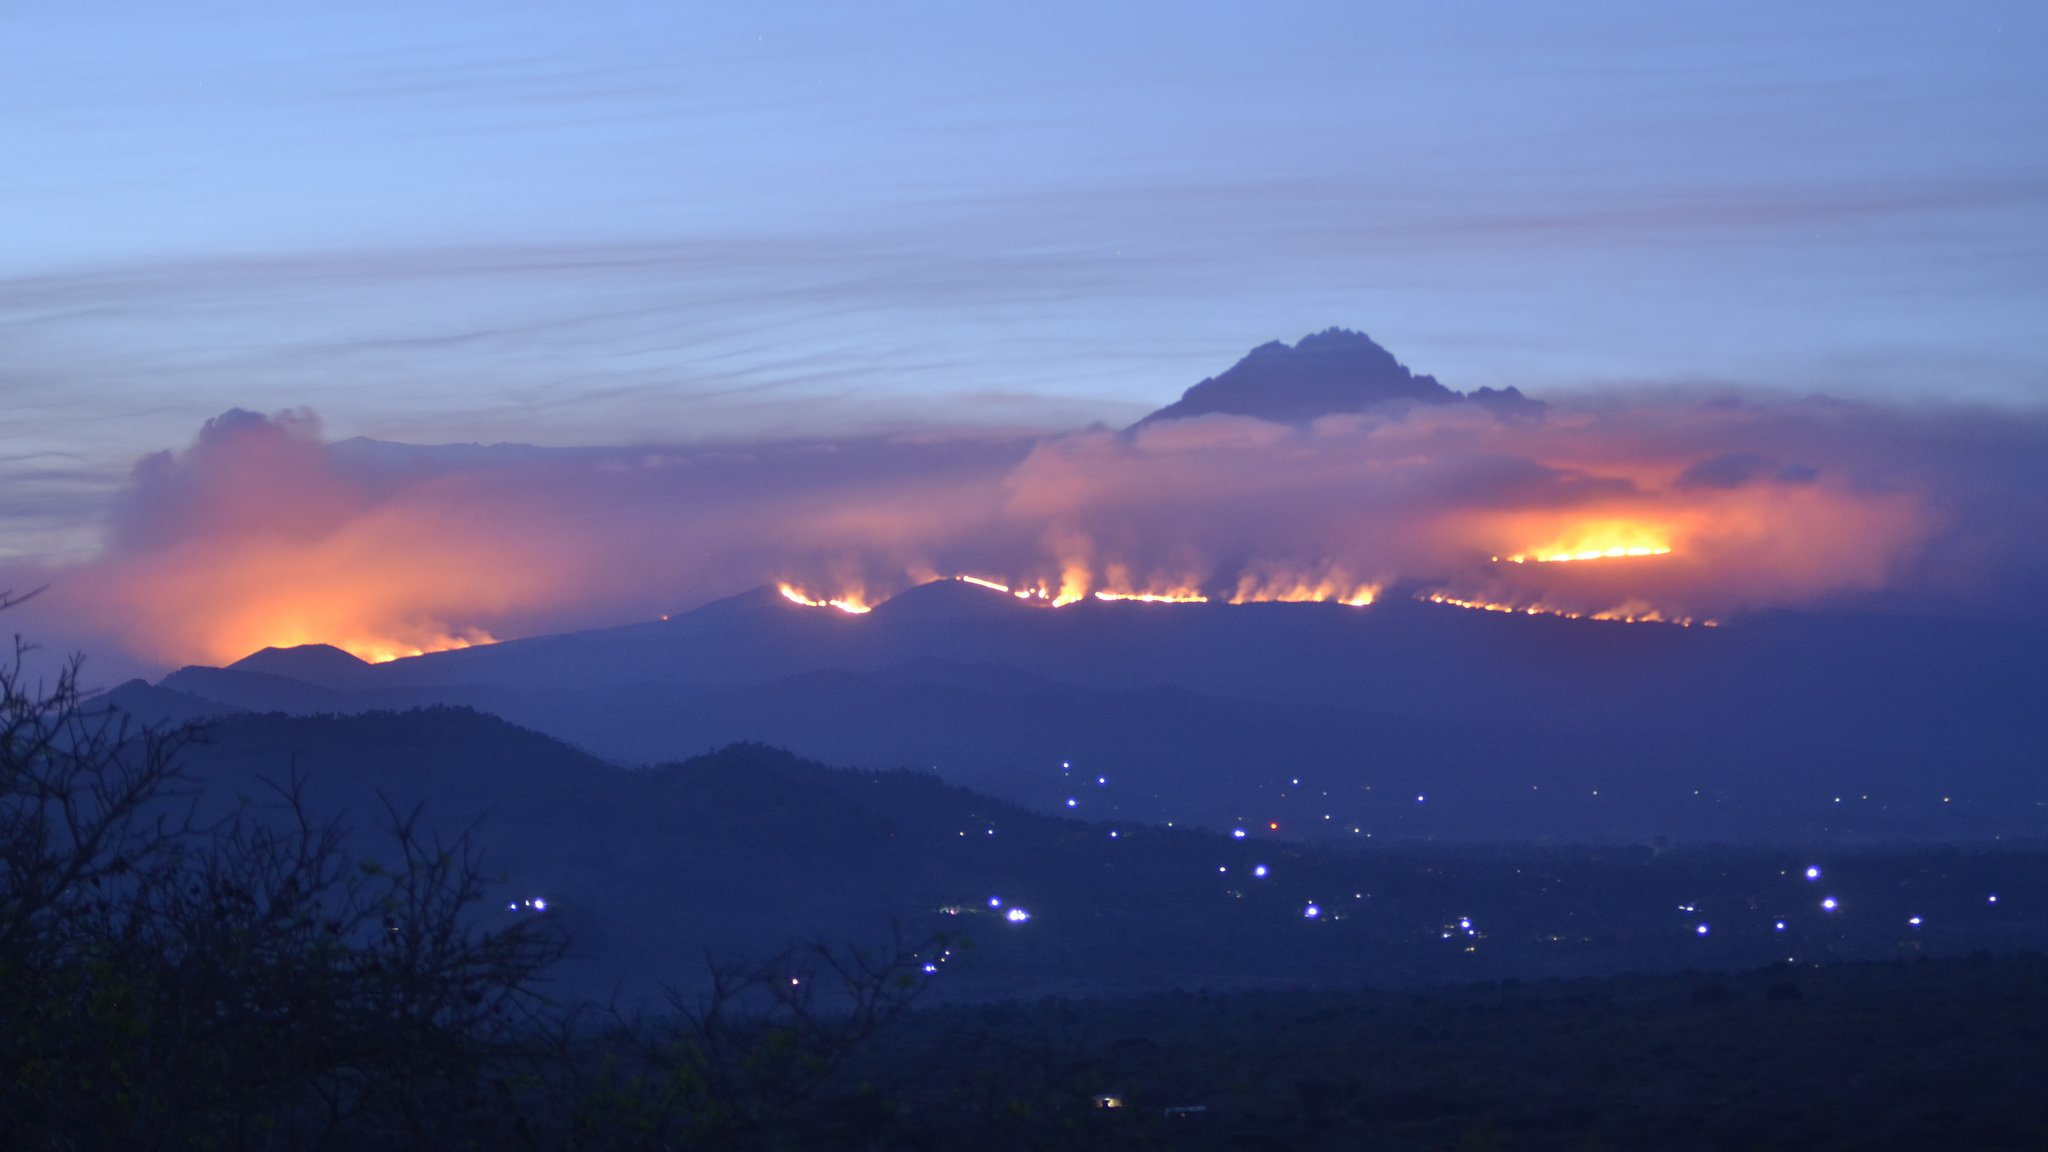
(1626, 614)
(984, 583)
(1490, 606)
(1154, 597)
(1596, 554)
(851, 604)
(1251, 591)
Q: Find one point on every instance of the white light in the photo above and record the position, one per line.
(1065, 765)
(1464, 922)
(1420, 798)
(1781, 925)
(1259, 871)
(1702, 930)
(1237, 833)
(1017, 916)
(1102, 780)
(1073, 803)
(929, 969)
(1221, 868)
(1813, 872)
(1915, 921)
(1829, 905)
(539, 905)
(1311, 912)
(995, 902)
(1112, 833)
(1993, 899)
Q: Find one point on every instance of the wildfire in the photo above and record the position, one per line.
(1631, 613)
(1251, 589)
(383, 651)
(983, 583)
(853, 602)
(1599, 540)
(1593, 554)
(1178, 597)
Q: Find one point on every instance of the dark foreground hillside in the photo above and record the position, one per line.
(739, 852)
(192, 958)
(1911, 1055)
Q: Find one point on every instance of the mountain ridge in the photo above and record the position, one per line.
(1327, 373)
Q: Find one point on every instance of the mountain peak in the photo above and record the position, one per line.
(949, 599)
(1322, 374)
(321, 664)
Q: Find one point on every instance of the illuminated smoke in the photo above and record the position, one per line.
(262, 534)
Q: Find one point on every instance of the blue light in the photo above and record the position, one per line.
(1702, 929)
(1237, 833)
(1829, 904)
(995, 902)
(1259, 870)
(1813, 872)
(1017, 916)
(1311, 912)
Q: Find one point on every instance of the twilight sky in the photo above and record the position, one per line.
(616, 223)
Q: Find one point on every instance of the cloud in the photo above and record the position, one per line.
(1737, 469)
(260, 532)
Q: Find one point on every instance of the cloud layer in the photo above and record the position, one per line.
(260, 532)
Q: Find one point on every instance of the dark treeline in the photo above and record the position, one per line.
(176, 978)
(1920, 1054)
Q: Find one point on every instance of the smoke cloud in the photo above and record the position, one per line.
(261, 532)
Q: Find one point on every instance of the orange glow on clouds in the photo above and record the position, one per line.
(260, 534)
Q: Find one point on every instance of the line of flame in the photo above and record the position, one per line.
(853, 603)
(1625, 614)
(1155, 597)
(1594, 554)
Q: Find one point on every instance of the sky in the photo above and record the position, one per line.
(687, 225)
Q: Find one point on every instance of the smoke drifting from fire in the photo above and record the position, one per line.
(261, 533)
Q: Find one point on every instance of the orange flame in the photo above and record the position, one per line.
(854, 602)
(1331, 584)
(1599, 540)
(1177, 597)
(1633, 612)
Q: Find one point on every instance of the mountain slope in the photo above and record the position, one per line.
(1201, 711)
(740, 852)
(1323, 374)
